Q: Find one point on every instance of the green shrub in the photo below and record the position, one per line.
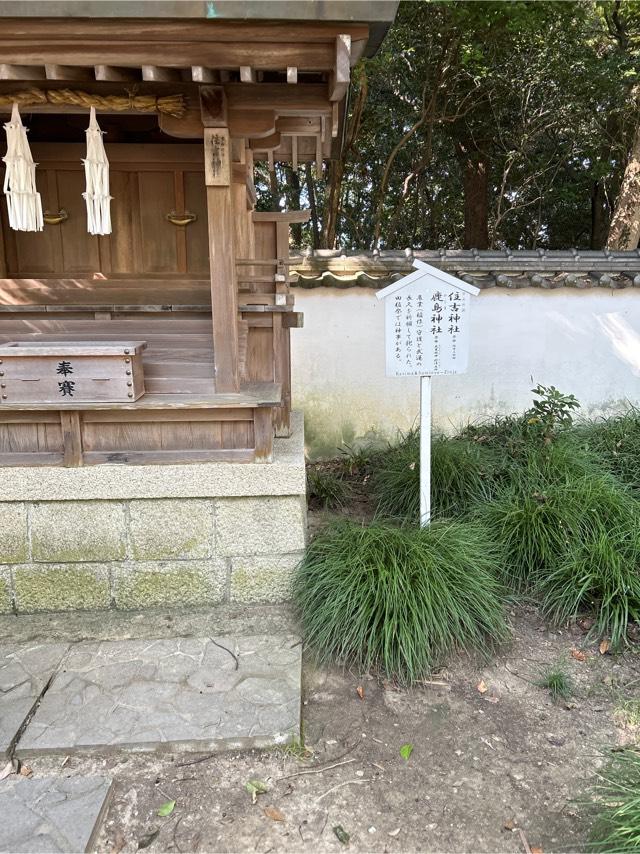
(399, 599)
(551, 412)
(325, 488)
(615, 800)
(462, 472)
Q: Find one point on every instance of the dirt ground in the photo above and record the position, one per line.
(490, 771)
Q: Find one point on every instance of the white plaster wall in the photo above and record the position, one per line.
(586, 343)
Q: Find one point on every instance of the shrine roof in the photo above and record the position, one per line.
(511, 269)
(378, 14)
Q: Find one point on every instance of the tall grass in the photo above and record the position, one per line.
(325, 488)
(400, 599)
(599, 574)
(616, 803)
(616, 442)
(462, 473)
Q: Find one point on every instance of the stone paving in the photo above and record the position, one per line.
(25, 670)
(179, 693)
(188, 693)
(51, 814)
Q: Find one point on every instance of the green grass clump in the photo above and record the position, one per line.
(616, 442)
(600, 575)
(399, 599)
(462, 473)
(536, 525)
(326, 489)
(616, 803)
(557, 682)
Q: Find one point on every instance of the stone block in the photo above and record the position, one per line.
(25, 670)
(263, 578)
(198, 694)
(57, 815)
(6, 598)
(260, 526)
(70, 531)
(61, 587)
(14, 541)
(171, 528)
(153, 584)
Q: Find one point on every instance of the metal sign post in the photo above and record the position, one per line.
(426, 334)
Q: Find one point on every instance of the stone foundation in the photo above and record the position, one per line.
(146, 536)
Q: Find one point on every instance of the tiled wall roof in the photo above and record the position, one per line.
(485, 269)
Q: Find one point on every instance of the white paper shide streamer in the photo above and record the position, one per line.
(23, 201)
(96, 169)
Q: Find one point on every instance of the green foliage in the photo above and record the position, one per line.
(357, 460)
(616, 442)
(552, 410)
(325, 488)
(535, 95)
(615, 801)
(557, 682)
(462, 473)
(395, 481)
(399, 599)
(600, 574)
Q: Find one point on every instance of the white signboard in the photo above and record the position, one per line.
(426, 324)
(426, 334)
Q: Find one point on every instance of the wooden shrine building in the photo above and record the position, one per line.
(178, 321)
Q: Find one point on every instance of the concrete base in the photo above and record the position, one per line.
(150, 536)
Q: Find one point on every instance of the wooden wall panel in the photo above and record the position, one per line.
(147, 182)
(157, 199)
(195, 198)
(37, 253)
(124, 241)
(80, 250)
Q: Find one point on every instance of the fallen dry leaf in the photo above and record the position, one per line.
(604, 646)
(394, 832)
(536, 850)
(481, 686)
(360, 692)
(578, 655)
(510, 825)
(274, 814)
(25, 771)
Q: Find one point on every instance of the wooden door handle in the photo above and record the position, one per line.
(55, 219)
(181, 219)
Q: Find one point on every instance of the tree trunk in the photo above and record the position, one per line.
(311, 190)
(599, 216)
(332, 206)
(293, 201)
(475, 181)
(625, 225)
(275, 190)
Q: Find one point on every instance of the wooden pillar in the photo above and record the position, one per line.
(222, 253)
(282, 338)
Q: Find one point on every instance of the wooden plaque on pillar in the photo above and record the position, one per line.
(217, 157)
